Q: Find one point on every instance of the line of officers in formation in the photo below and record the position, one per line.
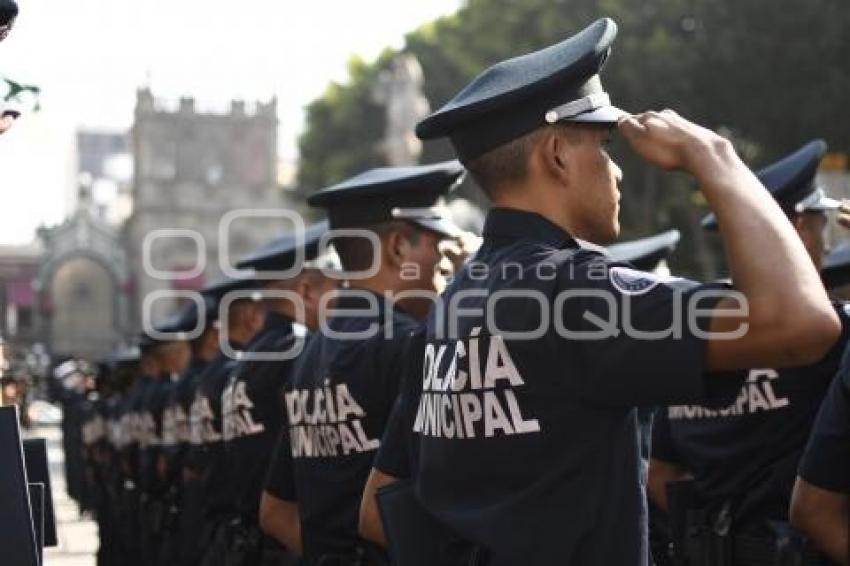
(417, 428)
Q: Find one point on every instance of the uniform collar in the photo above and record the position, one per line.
(516, 224)
(276, 320)
(355, 298)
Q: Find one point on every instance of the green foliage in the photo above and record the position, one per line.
(344, 129)
(772, 75)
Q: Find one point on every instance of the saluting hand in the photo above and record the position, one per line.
(459, 249)
(667, 140)
(844, 214)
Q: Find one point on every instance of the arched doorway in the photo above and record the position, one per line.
(82, 308)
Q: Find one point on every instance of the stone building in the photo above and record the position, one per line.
(192, 169)
(80, 289)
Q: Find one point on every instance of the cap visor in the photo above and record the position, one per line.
(441, 226)
(603, 115)
(825, 203)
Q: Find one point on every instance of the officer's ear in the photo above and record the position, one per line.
(554, 149)
(396, 248)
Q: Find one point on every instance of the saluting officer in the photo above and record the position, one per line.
(252, 402)
(240, 321)
(344, 384)
(171, 354)
(820, 505)
(742, 453)
(199, 322)
(540, 349)
(121, 365)
(96, 458)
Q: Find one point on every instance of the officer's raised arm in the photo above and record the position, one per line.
(788, 317)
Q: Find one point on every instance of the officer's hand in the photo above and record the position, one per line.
(844, 214)
(459, 249)
(667, 140)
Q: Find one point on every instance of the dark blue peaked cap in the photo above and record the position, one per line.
(392, 193)
(791, 181)
(646, 253)
(280, 253)
(216, 291)
(517, 96)
(123, 356)
(182, 324)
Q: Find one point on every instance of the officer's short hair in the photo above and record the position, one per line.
(508, 163)
(358, 254)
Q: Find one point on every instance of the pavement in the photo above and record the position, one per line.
(77, 535)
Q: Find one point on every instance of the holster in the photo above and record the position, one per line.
(703, 538)
(244, 544)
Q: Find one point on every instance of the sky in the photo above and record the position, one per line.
(90, 56)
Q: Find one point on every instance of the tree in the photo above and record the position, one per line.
(773, 78)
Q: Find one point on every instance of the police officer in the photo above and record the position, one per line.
(539, 349)
(252, 402)
(123, 364)
(183, 517)
(96, 454)
(71, 391)
(241, 318)
(169, 354)
(344, 384)
(395, 461)
(742, 453)
(820, 506)
(119, 366)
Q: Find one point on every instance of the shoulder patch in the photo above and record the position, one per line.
(633, 282)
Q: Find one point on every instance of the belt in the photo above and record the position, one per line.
(706, 548)
(773, 552)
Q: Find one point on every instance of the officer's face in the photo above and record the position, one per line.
(316, 286)
(594, 179)
(811, 226)
(174, 357)
(423, 269)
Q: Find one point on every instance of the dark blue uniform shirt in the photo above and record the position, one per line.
(528, 436)
(253, 413)
(744, 453)
(176, 429)
(208, 456)
(826, 462)
(338, 401)
(150, 428)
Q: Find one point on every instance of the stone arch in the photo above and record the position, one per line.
(85, 315)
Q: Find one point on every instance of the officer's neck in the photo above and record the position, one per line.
(552, 203)
(380, 283)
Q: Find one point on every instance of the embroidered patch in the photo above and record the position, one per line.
(632, 282)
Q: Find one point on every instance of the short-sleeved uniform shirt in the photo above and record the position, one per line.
(176, 428)
(338, 401)
(207, 456)
(744, 454)
(150, 428)
(826, 461)
(533, 364)
(135, 425)
(253, 413)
